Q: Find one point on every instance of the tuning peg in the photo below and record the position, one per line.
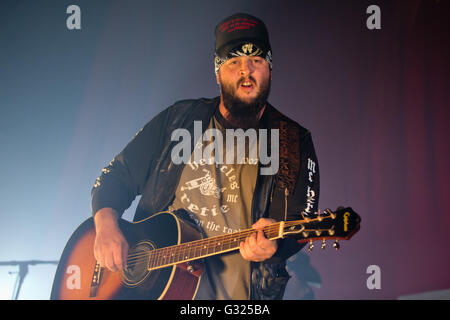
(336, 245)
(311, 246)
(305, 217)
(323, 244)
(319, 215)
(305, 234)
(331, 213)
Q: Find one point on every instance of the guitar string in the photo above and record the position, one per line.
(178, 250)
(195, 242)
(159, 260)
(275, 225)
(206, 240)
(227, 239)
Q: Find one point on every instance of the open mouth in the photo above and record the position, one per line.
(247, 85)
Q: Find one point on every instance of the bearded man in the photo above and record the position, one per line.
(219, 197)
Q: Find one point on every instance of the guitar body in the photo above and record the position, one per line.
(79, 277)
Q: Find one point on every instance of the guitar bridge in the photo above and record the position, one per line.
(95, 282)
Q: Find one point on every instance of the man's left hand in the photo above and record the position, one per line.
(257, 247)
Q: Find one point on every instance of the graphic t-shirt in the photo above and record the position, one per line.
(218, 197)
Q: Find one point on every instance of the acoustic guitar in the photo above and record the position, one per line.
(165, 256)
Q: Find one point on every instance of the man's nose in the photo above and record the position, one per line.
(246, 67)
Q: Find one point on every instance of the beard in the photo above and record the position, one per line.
(243, 114)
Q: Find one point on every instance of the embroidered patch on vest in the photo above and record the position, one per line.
(289, 157)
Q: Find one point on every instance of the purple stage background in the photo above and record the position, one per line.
(376, 102)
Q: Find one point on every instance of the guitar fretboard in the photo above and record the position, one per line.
(309, 228)
(189, 251)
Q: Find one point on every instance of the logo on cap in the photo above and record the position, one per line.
(247, 49)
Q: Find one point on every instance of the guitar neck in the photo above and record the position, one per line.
(164, 257)
(341, 224)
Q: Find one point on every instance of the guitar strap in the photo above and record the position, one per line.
(289, 157)
(269, 280)
(289, 163)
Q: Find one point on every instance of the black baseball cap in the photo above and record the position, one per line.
(241, 34)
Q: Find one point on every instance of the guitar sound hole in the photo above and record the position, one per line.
(137, 264)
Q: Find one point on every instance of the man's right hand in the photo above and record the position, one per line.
(111, 247)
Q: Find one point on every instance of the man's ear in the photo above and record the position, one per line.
(218, 77)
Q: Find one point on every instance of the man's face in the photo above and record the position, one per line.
(245, 87)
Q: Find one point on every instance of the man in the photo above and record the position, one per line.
(220, 196)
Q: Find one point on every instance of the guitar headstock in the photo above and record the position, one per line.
(341, 224)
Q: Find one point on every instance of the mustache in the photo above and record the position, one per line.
(243, 79)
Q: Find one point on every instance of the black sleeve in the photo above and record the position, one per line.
(124, 178)
(305, 197)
